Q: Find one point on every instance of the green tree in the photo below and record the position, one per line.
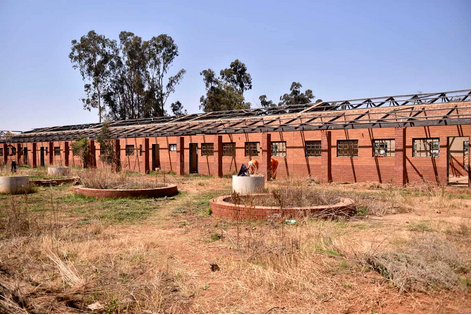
(93, 55)
(296, 96)
(227, 91)
(237, 76)
(178, 109)
(161, 52)
(131, 77)
(265, 102)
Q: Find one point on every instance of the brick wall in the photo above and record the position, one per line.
(402, 168)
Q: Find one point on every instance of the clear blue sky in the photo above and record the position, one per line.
(339, 49)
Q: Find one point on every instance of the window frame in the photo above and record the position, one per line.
(279, 153)
(250, 143)
(228, 152)
(55, 151)
(173, 147)
(313, 143)
(388, 153)
(207, 149)
(341, 151)
(129, 150)
(419, 153)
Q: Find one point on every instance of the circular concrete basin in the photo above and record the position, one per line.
(14, 184)
(168, 191)
(248, 184)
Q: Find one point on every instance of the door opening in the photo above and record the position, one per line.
(155, 157)
(42, 157)
(458, 163)
(25, 156)
(193, 153)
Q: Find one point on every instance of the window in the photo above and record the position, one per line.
(1, 151)
(12, 150)
(172, 147)
(251, 149)
(140, 150)
(427, 147)
(57, 151)
(229, 149)
(312, 148)
(207, 149)
(102, 150)
(383, 148)
(279, 148)
(129, 150)
(348, 148)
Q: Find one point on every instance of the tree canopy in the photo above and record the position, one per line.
(130, 77)
(296, 96)
(226, 92)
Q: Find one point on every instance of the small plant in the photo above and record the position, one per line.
(80, 148)
(108, 153)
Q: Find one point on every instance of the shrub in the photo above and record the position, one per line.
(80, 148)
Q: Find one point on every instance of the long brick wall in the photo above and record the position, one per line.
(400, 169)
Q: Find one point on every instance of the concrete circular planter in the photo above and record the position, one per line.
(222, 207)
(14, 184)
(169, 190)
(248, 184)
(59, 171)
(55, 182)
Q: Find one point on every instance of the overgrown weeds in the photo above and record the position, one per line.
(105, 178)
(428, 262)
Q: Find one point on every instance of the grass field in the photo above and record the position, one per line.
(406, 251)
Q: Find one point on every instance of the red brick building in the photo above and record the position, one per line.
(400, 139)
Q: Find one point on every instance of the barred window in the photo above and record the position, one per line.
(279, 148)
(383, 148)
(172, 147)
(129, 150)
(426, 147)
(251, 149)
(348, 148)
(57, 151)
(312, 148)
(207, 149)
(229, 149)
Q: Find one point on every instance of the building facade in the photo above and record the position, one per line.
(400, 139)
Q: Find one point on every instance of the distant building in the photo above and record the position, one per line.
(400, 139)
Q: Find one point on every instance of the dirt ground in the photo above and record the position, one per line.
(60, 253)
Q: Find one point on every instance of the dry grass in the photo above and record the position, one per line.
(65, 260)
(105, 178)
(428, 262)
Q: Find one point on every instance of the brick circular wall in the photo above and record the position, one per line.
(54, 182)
(223, 209)
(170, 190)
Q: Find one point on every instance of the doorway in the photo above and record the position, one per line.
(155, 157)
(25, 155)
(458, 163)
(41, 157)
(193, 153)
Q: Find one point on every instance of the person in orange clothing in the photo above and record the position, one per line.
(253, 167)
(273, 168)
